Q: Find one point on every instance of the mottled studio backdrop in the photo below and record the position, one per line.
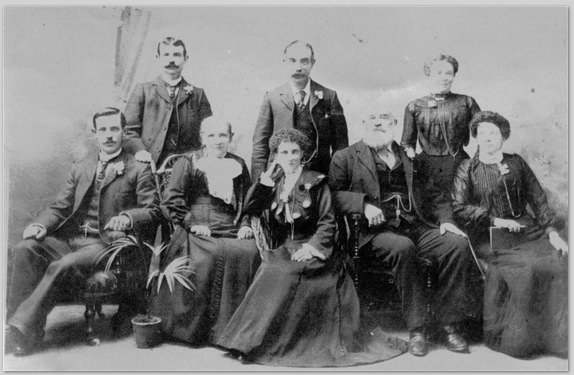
(60, 65)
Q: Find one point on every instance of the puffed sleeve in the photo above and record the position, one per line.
(410, 131)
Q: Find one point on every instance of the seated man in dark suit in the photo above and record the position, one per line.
(105, 195)
(399, 224)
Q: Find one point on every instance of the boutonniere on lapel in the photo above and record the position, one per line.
(319, 94)
(119, 167)
(503, 168)
(432, 103)
(188, 89)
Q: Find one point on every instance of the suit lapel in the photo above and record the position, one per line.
(313, 100)
(161, 90)
(111, 170)
(366, 158)
(286, 96)
(86, 170)
(183, 95)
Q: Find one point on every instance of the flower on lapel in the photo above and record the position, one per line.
(188, 89)
(319, 94)
(119, 167)
(432, 103)
(503, 168)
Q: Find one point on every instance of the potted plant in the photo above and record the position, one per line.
(146, 326)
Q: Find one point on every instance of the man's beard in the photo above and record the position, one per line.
(378, 140)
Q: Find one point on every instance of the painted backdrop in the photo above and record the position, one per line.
(59, 66)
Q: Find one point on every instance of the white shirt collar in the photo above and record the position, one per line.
(173, 82)
(106, 157)
(295, 90)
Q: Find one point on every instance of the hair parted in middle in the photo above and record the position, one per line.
(440, 57)
(492, 117)
(292, 136)
(172, 41)
(304, 44)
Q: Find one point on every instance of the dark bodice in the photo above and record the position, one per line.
(440, 124)
(306, 215)
(482, 193)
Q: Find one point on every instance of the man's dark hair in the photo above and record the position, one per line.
(109, 111)
(172, 41)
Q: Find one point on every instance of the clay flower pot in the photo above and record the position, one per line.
(147, 330)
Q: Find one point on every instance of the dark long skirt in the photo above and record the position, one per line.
(304, 314)
(526, 301)
(439, 171)
(223, 269)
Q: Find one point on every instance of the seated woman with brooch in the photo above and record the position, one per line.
(526, 287)
(204, 200)
(302, 309)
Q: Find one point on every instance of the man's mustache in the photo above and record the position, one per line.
(171, 66)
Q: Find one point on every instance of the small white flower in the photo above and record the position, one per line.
(503, 168)
(432, 103)
(119, 167)
(319, 94)
(307, 186)
(188, 89)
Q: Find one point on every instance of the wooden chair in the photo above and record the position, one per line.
(375, 285)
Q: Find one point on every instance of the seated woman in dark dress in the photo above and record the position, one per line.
(301, 309)
(204, 200)
(526, 289)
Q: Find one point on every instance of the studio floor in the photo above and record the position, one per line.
(64, 349)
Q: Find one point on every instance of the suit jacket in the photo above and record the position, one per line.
(277, 113)
(133, 192)
(353, 178)
(149, 110)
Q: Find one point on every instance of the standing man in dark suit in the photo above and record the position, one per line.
(375, 178)
(105, 195)
(302, 104)
(164, 115)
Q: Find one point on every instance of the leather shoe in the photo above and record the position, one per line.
(418, 344)
(20, 344)
(454, 341)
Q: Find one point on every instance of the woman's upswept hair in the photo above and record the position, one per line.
(493, 118)
(440, 57)
(291, 136)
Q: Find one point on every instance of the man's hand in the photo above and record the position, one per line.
(245, 233)
(200, 230)
(306, 252)
(374, 215)
(558, 243)
(37, 231)
(511, 225)
(119, 223)
(448, 227)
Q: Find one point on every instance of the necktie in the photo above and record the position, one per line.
(301, 99)
(102, 172)
(171, 91)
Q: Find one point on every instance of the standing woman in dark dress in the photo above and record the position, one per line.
(302, 309)
(526, 289)
(204, 200)
(439, 121)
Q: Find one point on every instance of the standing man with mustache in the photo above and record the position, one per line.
(376, 179)
(164, 115)
(302, 104)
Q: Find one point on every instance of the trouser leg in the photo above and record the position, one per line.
(30, 316)
(398, 253)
